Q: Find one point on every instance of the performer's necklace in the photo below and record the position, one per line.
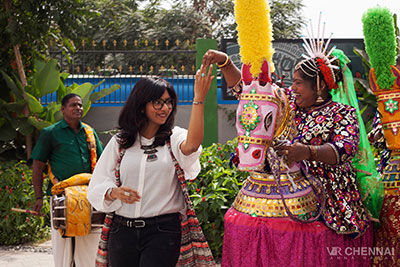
(150, 151)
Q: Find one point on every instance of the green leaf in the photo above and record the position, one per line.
(34, 104)
(4, 147)
(7, 133)
(84, 91)
(25, 127)
(2, 121)
(58, 115)
(64, 75)
(38, 124)
(99, 95)
(86, 108)
(98, 84)
(11, 84)
(363, 55)
(364, 108)
(14, 106)
(61, 92)
(39, 65)
(47, 80)
(18, 83)
(52, 109)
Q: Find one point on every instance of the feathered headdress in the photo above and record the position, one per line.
(318, 59)
(254, 33)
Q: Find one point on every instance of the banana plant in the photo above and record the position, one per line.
(46, 80)
(365, 95)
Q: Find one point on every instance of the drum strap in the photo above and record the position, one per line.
(91, 140)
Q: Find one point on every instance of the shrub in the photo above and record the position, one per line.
(16, 190)
(214, 190)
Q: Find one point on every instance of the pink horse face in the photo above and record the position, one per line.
(257, 115)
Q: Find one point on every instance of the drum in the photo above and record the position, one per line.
(72, 213)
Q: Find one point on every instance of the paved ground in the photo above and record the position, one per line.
(40, 256)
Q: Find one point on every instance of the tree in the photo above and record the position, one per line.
(286, 18)
(115, 20)
(285, 15)
(26, 27)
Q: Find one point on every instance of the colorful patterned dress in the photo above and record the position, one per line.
(335, 124)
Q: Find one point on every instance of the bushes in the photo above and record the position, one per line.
(16, 190)
(214, 190)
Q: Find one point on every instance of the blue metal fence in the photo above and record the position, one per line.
(183, 85)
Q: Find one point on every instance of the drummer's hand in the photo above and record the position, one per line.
(214, 56)
(125, 194)
(293, 152)
(38, 206)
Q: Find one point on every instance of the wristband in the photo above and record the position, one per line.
(37, 198)
(109, 194)
(197, 102)
(223, 64)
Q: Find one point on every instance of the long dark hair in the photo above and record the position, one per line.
(133, 116)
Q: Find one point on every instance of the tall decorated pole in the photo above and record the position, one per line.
(384, 79)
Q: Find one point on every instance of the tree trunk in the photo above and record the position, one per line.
(22, 77)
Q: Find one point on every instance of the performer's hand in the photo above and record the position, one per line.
(125, 194)
(293, 152)
(38, 205)
(202, 83)
(214, 56)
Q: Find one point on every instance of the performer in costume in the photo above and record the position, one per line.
(272, 220)
(384, 78)
(70, 147)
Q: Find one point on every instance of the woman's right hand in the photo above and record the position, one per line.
(125, 194)
(214, 56)
(202, 83)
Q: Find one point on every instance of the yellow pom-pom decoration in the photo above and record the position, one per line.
(254, 33)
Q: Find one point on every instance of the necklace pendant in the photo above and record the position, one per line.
(151, 157)
(150, 151)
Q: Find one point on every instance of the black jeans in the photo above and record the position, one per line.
(156, 244)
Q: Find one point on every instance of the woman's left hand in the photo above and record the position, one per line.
(202, 83)
(293, 152)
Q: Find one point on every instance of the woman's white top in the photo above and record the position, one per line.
(155, 181)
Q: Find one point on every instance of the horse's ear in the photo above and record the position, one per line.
(246, 74)
(265, 74)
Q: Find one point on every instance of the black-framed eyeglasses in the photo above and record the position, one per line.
(159, 103)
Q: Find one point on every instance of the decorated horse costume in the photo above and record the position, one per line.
(264, 118)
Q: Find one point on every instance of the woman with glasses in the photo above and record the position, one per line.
(146, 228)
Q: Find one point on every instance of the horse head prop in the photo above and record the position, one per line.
(263, 117)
